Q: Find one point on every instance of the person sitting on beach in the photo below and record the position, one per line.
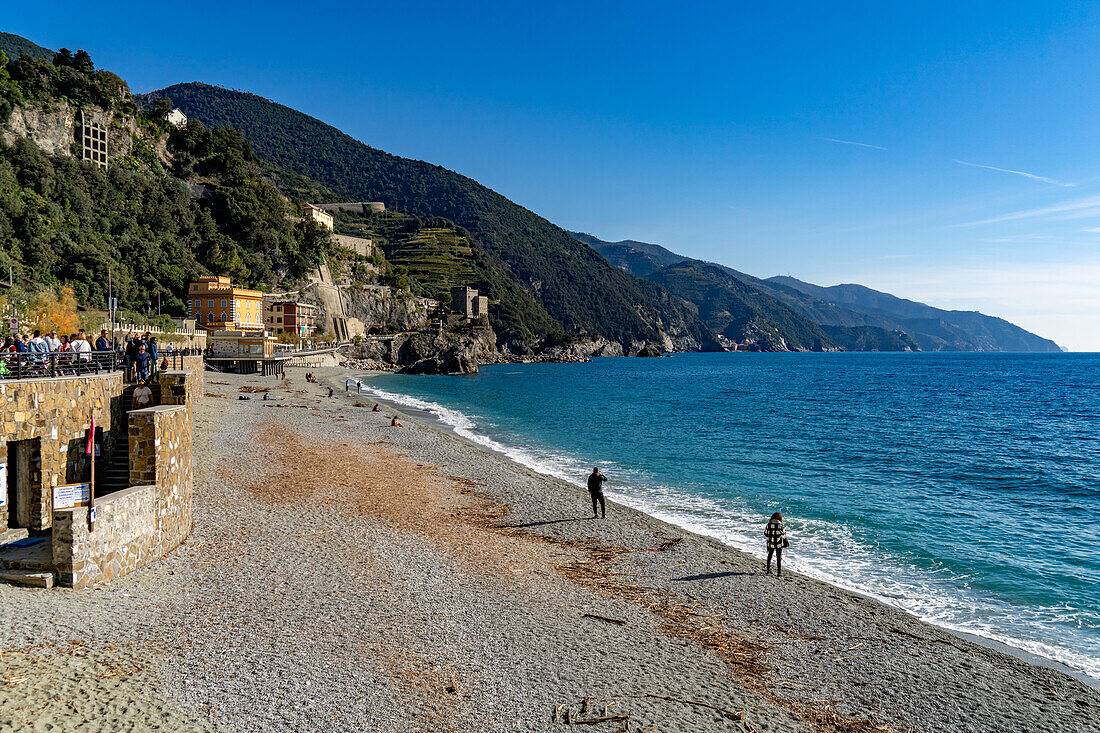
(595, 488)
(777, 540)
(394, 423)
(376, 408)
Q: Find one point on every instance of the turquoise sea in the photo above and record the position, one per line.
(962, 488)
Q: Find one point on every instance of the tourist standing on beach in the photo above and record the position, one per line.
(595, 488)
(777, 540)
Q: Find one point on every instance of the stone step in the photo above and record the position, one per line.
(37, 579)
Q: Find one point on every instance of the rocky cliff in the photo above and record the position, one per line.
(54, 128)
(426, 353)
(384, 309)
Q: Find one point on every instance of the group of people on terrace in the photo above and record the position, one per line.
(72, 352)
(76, 343)
(78, 353)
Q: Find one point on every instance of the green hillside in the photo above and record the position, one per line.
(14, 46)
(739, 312)
(576, 286)
(934, 329)
(66, 222)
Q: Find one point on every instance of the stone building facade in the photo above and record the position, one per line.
(467, 304)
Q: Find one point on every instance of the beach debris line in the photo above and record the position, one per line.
(616, 621)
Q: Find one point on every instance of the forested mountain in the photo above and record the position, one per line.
(815, 321)
(638, 258)
(739, 312)
(14, 46)
(577, 287)
(934, 329)
(855, 317)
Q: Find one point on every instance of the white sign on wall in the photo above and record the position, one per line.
(71, 495)
(3, 484)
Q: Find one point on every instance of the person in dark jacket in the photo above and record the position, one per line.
(777, 539)
(132, 344)
(595, 489)
(103, 343)
(143, 361)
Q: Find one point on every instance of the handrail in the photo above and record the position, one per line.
(52, 364)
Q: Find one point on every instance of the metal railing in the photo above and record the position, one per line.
(35, 365)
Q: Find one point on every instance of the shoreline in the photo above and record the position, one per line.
(350, 576)
(433, 421)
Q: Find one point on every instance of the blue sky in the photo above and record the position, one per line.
(946, 152)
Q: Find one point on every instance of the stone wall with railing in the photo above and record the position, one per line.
(53, 416)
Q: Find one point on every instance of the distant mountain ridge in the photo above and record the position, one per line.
(854, 316)
(739, 312)
(935, 329)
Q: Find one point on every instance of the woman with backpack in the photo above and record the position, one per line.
(777, 540)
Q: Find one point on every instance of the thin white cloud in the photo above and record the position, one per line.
(1092, 230)
(1032, 176)
(852, 142)
(1075, 209)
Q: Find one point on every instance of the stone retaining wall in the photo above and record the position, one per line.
(160, 454)
(57, 412)
(125, 538)
(139, 525)
(178, 387)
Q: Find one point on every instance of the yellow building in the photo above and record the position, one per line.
(218, 306)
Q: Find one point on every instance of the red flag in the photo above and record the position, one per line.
(90, 447)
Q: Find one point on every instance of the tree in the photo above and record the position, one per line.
(63, 57)
(82, 62)
(49, 310)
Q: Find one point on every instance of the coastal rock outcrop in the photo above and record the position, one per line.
(428, 353)
(439, 354)
(649, 350)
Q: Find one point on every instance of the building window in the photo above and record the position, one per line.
(223, 317)
(223, 302)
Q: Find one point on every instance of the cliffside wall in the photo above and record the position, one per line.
(54, 128)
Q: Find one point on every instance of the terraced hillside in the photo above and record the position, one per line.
(436, 257)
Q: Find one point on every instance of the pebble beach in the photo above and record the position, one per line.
(347, 575)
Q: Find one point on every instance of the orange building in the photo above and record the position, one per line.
(218, 306)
